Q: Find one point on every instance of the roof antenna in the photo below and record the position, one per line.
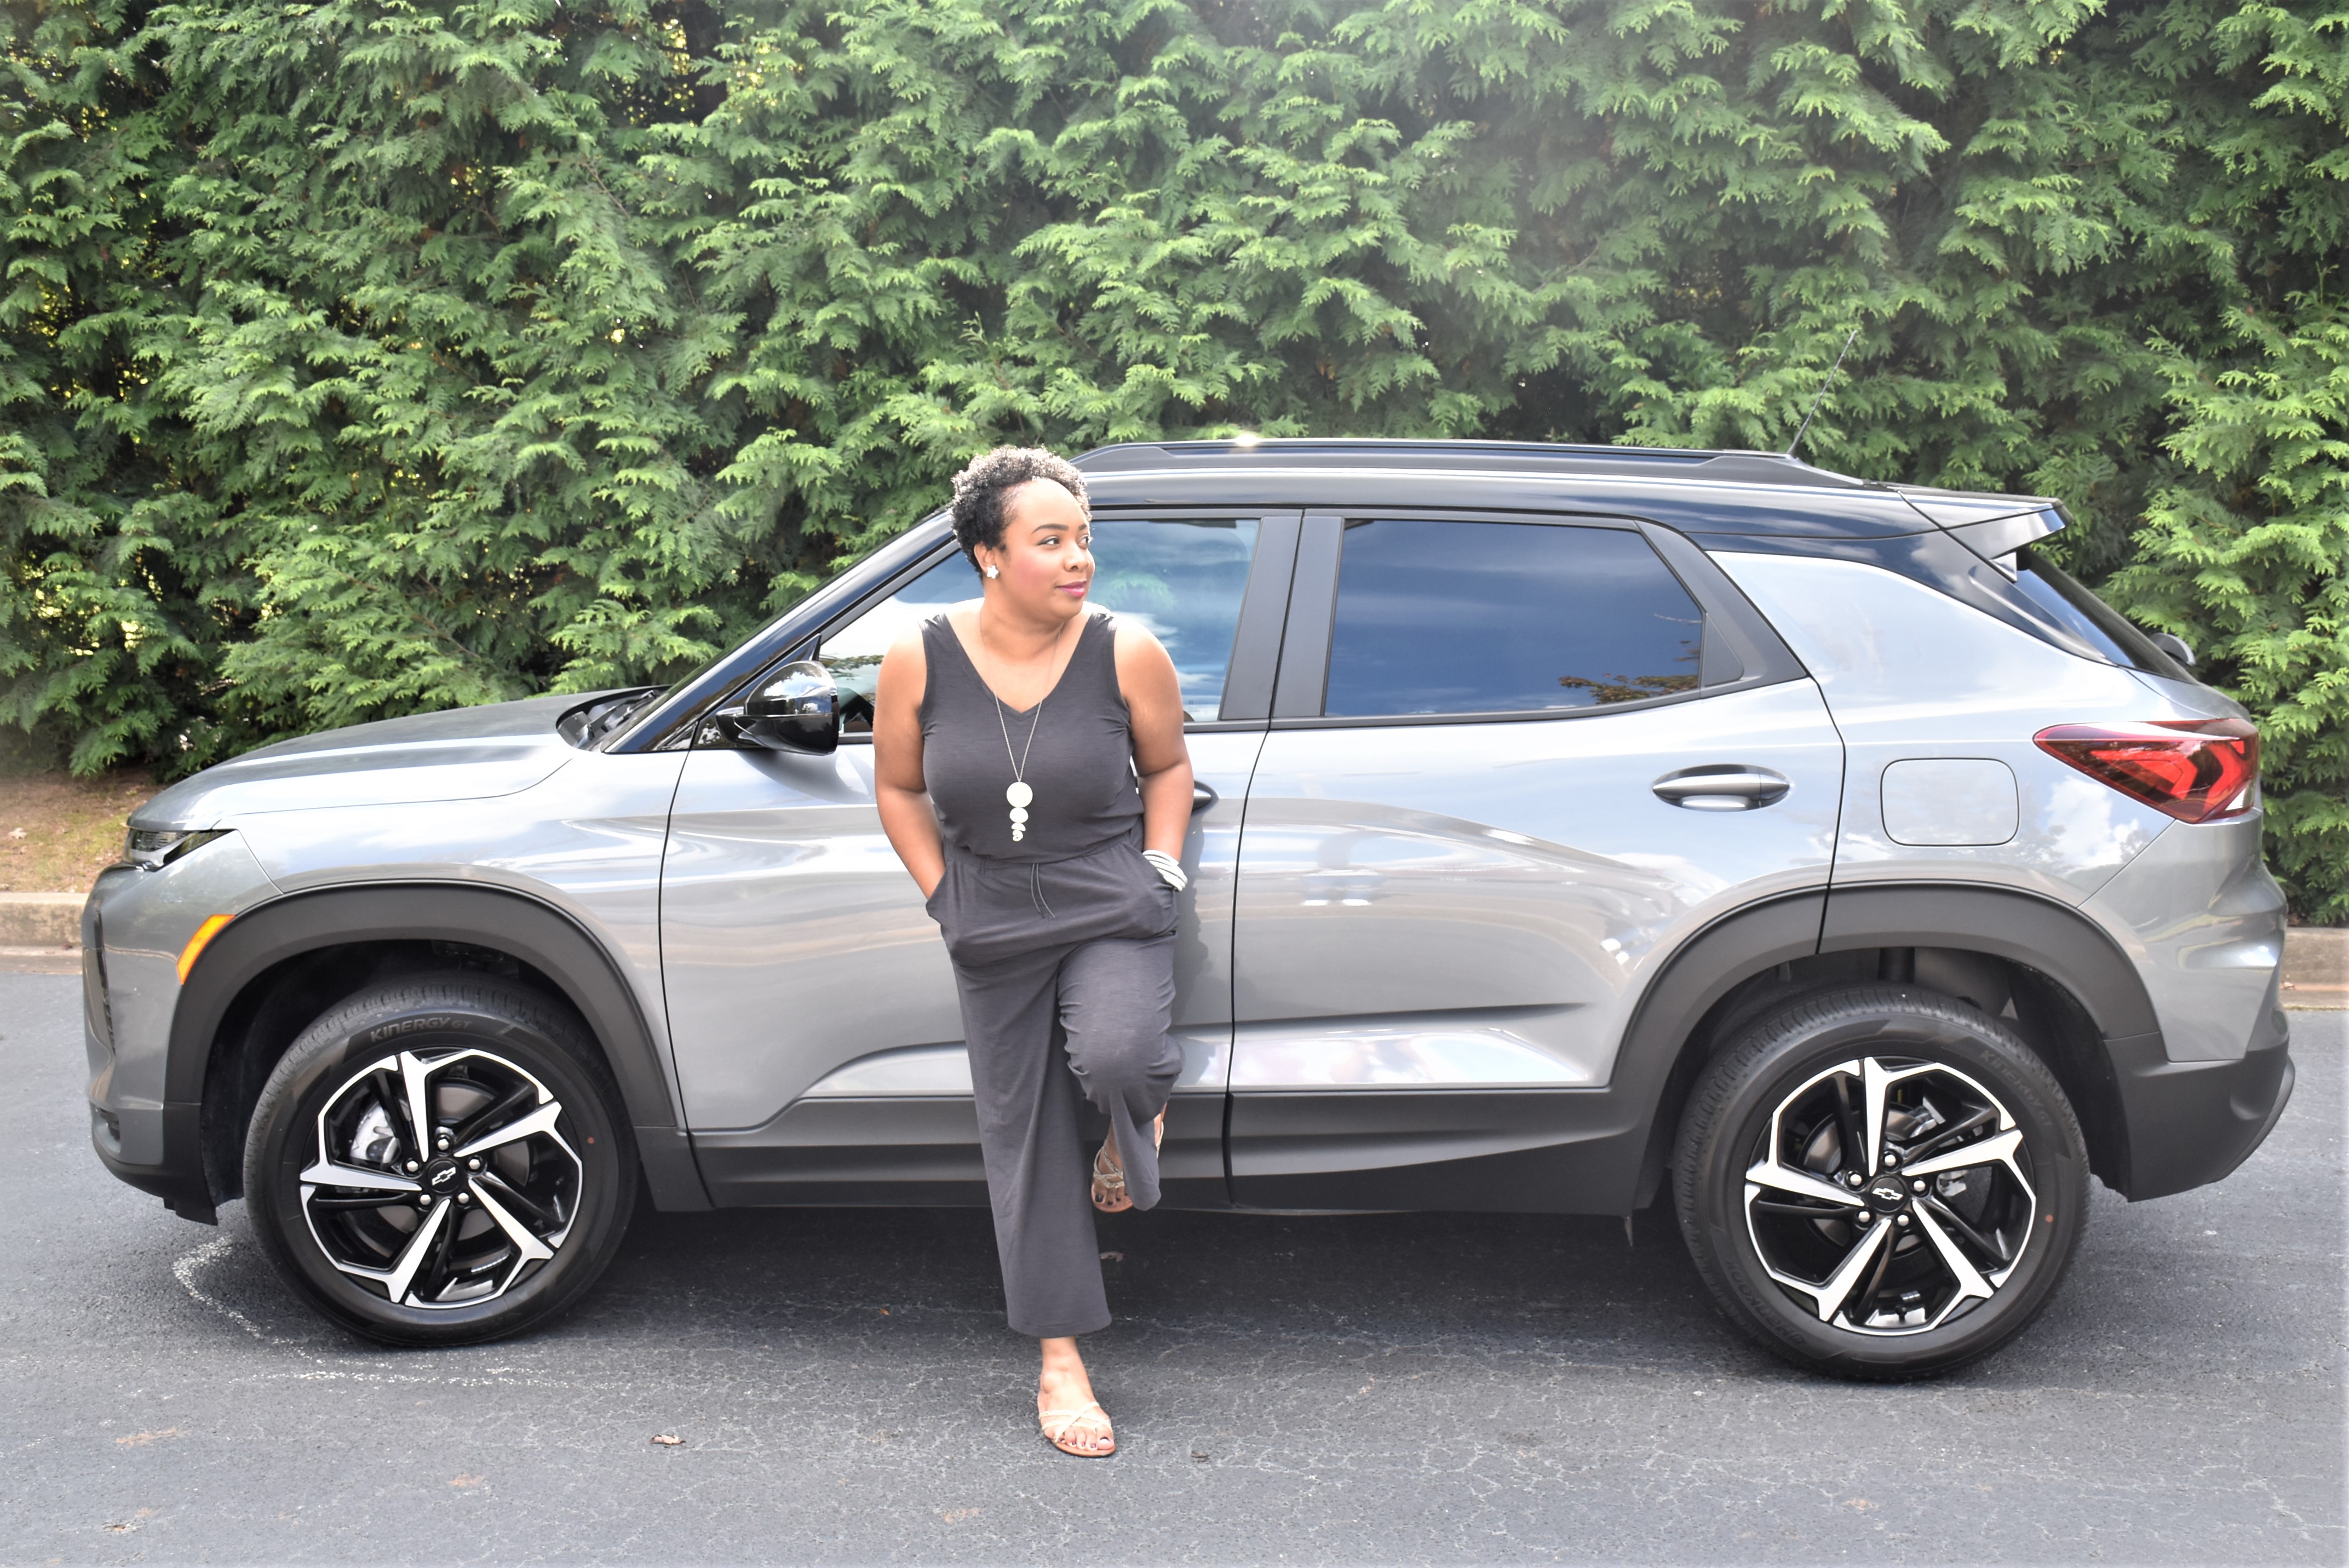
(1822, 394)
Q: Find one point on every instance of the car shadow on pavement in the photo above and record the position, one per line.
(748, 1276)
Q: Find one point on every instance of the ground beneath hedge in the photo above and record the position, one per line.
(57, 832)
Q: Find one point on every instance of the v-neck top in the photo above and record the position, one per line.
(1078, 766)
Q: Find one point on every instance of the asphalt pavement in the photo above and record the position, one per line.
(1386, 1388)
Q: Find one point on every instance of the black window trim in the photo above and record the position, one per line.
(673, 722)
(1764, 659)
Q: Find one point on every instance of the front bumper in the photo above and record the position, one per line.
(2188, 1124)
(178, 1178)
(134, 927)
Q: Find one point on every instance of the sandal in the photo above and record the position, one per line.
(1067, 1418)
(1109, 1185)
(1109, 1176)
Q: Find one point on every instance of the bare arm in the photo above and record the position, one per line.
(899, 788)
(1153, 701)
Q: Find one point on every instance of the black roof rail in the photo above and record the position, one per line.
(1736, 466)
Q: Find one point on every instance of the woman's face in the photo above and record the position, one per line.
(1046, 564)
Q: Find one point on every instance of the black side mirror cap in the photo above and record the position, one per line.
(796, 708)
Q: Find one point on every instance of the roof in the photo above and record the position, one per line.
(1699, 491)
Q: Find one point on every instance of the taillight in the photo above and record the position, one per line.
(2195, 769)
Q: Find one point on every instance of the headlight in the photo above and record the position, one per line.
(152, 849)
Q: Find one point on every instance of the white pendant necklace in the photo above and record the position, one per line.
(1019, 792)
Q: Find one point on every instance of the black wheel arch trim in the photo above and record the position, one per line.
(1653, 1066)
(2021, 927)
(2112, 1077)
(529, 928)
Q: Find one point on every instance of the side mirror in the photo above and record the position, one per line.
(797, 708)
(2175, 646)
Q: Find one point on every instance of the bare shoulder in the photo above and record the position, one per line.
(904, 674)
(1145, 674)
(906, 652)
(1137, 646)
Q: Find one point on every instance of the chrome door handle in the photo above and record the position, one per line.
(1722, 787)
(1201, 796)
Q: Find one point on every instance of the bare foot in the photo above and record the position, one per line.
(1071, 1421)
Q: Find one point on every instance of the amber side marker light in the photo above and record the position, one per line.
(2195, 769)
(194, 950)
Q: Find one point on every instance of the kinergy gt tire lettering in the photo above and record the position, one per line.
(1880, 1182)
(437, 1161)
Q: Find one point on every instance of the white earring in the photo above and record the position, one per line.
(992, 572)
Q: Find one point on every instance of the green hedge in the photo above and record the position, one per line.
(359, 358)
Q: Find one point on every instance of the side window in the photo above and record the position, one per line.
(852, 651)
(1181, 578)
(1183, 581)
(1505, 618)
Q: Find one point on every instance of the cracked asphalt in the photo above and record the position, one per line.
(1397, 1388)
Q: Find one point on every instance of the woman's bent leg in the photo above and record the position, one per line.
(1028, 1135)
(1117, 998)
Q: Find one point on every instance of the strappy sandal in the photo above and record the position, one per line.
(1056, 1436)
(1109, 1176)
(1109, 1185)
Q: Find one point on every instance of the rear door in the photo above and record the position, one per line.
(818, 1038)
(1512, 763)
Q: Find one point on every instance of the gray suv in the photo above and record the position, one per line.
(1575, 828)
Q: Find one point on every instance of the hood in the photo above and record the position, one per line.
(463, 753)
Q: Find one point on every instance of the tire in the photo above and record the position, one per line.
(1968, 1263)
(492, 1230)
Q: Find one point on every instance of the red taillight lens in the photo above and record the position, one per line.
(2197, 769)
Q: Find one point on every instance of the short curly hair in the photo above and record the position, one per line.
(979, 490)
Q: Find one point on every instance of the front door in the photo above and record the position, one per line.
(818, 1038)
(1511, 767)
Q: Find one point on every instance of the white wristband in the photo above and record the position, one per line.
(1170, 870)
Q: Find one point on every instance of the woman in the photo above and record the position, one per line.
(1029, 765)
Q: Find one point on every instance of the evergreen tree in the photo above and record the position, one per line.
(361, 357)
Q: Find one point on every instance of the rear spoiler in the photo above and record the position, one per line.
(1996, 539)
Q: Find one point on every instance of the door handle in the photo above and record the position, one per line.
(1201, 796)
(1722, 787)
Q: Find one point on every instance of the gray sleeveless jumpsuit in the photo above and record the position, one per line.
(1063, 949)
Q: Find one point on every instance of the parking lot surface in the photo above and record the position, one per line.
(1379, 1389)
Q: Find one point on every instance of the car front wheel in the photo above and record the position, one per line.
(1880, 1182)
(437, 1161)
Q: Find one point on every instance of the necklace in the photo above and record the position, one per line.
(1019, 792)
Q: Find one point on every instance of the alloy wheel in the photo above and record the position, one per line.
(1891, 1196)
(442, 1179)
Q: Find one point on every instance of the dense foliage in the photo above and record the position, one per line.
(370, 356)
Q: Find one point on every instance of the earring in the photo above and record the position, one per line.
(992, 572)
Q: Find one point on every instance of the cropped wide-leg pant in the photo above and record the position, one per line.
(1066, 972)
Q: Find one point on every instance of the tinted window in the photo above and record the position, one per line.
(1501, 617)
(853, 653)
(2062, 598)
(1182, 579)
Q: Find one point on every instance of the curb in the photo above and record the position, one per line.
(2316, 967)
(41, 919)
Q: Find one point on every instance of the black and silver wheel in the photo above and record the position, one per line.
(1880, 1182)
(436, 1162)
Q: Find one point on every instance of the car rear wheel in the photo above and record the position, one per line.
(1880, 1182)
(438, 1161)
